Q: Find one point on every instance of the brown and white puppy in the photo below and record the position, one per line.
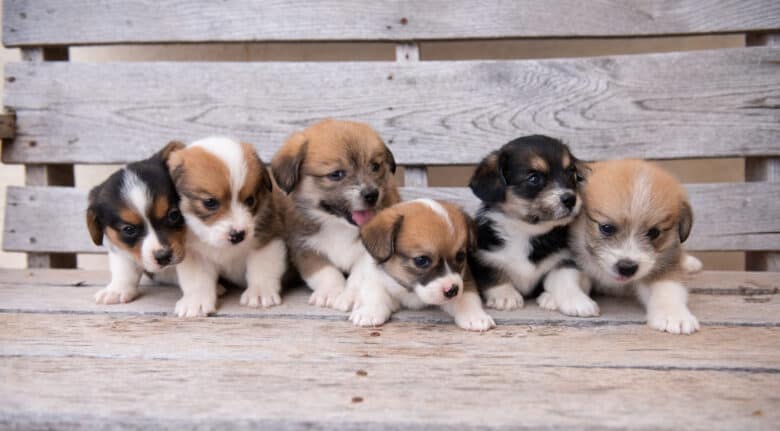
(635, 218)
(419, 249)
(338, 174)
(235, 216)
(136, 213)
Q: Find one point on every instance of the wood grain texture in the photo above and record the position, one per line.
(676, 105)
(728, 216)
(45, 22)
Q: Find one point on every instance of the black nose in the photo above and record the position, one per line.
(452, 291)
(163, 256)
(236, 236)
(569, 200)
(370, 195)
(626, 267)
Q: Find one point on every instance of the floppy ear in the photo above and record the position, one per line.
(390, 159)
(488, 181)
(94, 226)
(686, 221)
(286, 164)
(171, 147)
(380, 233)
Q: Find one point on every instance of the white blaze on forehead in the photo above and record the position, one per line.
(136, 193)
(230, 152)
(641, 195)
(438, 209)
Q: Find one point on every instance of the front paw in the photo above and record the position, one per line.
(115, 295)
(259, 297)
(370, 315)
(674, 322)
(577, 306)
(346, 300)
(196, 305)
(476, 320)
(503, 297)
(326, 296)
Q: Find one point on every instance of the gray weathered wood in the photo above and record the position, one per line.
(45, 22)
(729, 216)
(416, 176)
(691, 104)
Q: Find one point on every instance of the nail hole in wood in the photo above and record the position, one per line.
(404, 21)
(11, 79)
(361, 373)
(33, 143)
(375, 333)
(33, 240)
(356, 400)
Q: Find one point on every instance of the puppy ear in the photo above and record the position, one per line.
(171, 147)
(380, 233)
(686, 221)
(390, 159)
(94, 226)
(488, 181)
(175, 162)
(286, 164)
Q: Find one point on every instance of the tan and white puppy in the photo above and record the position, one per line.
(235, 216)
(635, 218)
(338, 174)
(419, 251)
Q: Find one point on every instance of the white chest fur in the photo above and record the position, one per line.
(230, 262)
(338, 241)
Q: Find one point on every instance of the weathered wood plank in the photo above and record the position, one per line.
(722, 310)
(730, 216)
(694, 104)
(45, 22)
(7, 125)
(425, 392)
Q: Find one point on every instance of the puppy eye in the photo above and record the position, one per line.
(211, 204)
(534, 179)
(174, 217)
(422, 261)
(375, 167)
(129, 231)
(460, 257)
(337, 175)
(607, 229)
(578, 178)
(653, 233)
(250, 201)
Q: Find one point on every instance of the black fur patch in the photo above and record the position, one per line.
(549, 243)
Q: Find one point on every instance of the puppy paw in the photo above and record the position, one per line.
(674, 322)
(195, 305)
(115, 295)
(345, 301)
(476, 320)
(578, 306)
(325, 296)
(370, 316)
(503, 297)
(260, 297)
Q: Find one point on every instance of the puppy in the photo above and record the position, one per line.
(530, 192)
(136, 212)
(338, 174)
(419, 249)
(235, 217)
(629, 236)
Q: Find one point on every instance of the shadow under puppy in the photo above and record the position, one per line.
(636, 217)
(235, 219)
(530, 192)
(136, 212)
(338, 174)
(420, 249)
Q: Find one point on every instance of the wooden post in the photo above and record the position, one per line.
(49, 175)
(414, 176)
(765, 169)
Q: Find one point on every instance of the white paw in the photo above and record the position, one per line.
(346, 300)
(476, 320)
(325, 296)
(578, 305)
(115, 295)
(260, 297)
(675, 322)
(196, 305)
(370, 315)
(503, 297)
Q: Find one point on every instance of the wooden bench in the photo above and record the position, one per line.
(66, 362)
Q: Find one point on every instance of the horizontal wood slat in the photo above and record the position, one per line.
(693, 104)
(52, 22)
(730, 216)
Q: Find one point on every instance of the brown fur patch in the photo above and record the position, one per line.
(538, 164)
(200, 175)
(160, 207)
(116, 239)
(129, 216)
(566, 160)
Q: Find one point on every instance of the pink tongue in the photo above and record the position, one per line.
(361, 217)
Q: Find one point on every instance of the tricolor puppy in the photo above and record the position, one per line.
(635, 218)
(420, 249)
(235, 219)
(338, 174)
(136, 212)
(530, 192)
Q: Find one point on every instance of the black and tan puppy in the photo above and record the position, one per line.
(136, 213)
(419, 249)
(338, 174)
(530, 192)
